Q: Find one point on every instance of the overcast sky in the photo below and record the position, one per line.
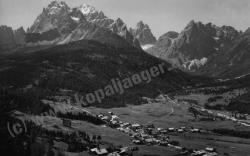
(161, 15)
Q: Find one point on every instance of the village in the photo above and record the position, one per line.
(147, 134)
(152, 136)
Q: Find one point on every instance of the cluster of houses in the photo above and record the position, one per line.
(207, 152)
(121, 151)
(124, 151)
(151, 136)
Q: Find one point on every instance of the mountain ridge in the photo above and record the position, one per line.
(78, 23)
(60, 24)
(195, 45)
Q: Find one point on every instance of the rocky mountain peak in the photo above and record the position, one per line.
(57, 16)
(101, 15)
(59, 24)
(248, 30)
(91, 14)
(170, 34)
(232, 59)
(143, 33)
(163, 43)
(191, 23)
(19, 35)
(20, 30)
(193, 26)
(146, 26)
(140, 24)
(58, 4)
(87, 9)
(119, 22)
(6, 35)
(227, 32)
(194, 45)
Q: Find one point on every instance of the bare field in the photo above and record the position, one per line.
(202, 99)
(176, 115)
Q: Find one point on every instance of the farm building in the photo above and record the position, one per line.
(66, 122)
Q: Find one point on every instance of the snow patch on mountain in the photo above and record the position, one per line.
(54, 7)
(75, 19)
(146, 46)
(216, 38)
(203, 61)
(195, 63)
(86, 9)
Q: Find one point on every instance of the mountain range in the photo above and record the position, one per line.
(59, 24)
(203, 49)
(80, 49)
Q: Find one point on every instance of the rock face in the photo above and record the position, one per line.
(117, 26)
(58, 24)
(6, 36)
(19, 35)
(143, 33)
(194, 45)
(163, 43)
(56, 15)
(233, 60)
(9, 38)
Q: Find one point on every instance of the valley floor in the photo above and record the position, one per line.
(165, 114)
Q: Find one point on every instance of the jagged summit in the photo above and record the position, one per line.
(163, 43)
(191, 22)
(87, 9)
(58, 5)
(56, 16)
(9, 37)
(170, 34)
(194, 45)
(19, 35)
(60, 24)
(6, 35)
(119, 22)
(141, 25)
(143, 33)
